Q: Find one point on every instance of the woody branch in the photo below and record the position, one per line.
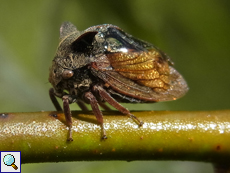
(166, 135)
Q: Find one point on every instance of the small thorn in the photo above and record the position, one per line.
(3, 115)
(53, 115)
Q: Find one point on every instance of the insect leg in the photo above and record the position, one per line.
(115, 104)
(54, 100)
(68, 115)
(82, 105)
(104, 106)
(97, 112)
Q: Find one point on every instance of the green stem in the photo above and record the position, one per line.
(165, 135)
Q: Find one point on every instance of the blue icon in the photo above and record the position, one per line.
(9, 160)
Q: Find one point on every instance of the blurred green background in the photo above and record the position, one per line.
(194, 33)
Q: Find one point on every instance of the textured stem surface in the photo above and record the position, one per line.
(165, 135)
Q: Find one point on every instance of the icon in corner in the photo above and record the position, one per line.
(10, 161)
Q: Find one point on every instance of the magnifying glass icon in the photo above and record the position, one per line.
(9, 160)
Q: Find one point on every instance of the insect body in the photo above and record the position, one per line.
(105, 64)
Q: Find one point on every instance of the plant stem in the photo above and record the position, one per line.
(165, 135)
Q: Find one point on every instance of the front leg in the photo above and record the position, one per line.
(54, 100)
(68, 115)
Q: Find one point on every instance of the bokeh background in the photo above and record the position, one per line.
(196, 34)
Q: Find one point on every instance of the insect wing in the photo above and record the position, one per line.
(140, 70)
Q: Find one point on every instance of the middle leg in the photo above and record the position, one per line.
(97, 112)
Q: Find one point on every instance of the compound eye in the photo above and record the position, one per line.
(67, 74)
